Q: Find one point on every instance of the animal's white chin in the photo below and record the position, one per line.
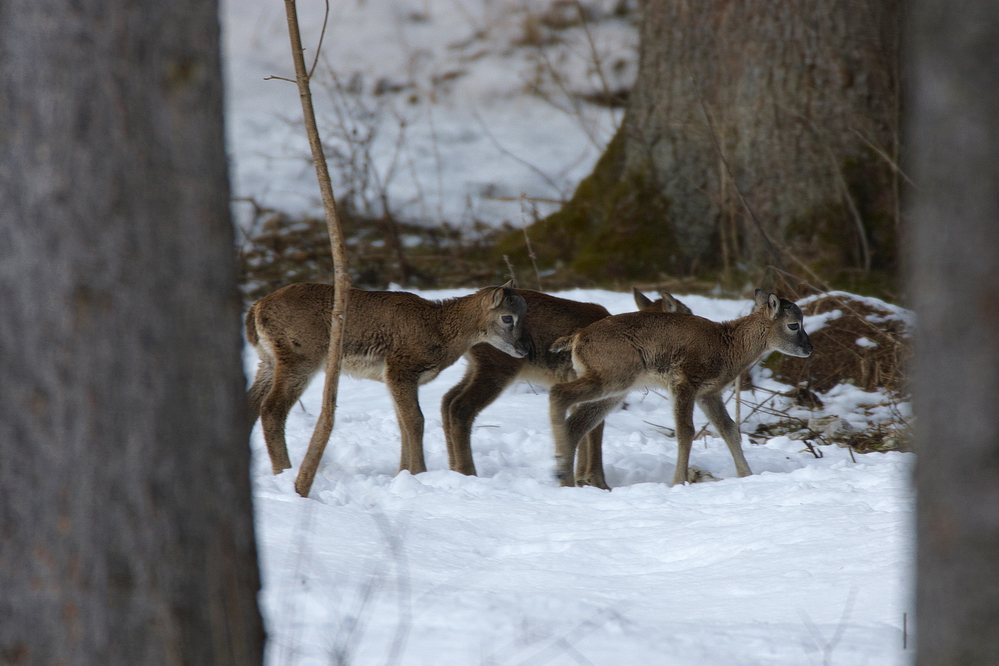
(511, 350)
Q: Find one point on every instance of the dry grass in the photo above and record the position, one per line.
(282, 250)
(878, 363)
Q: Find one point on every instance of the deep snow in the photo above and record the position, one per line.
(806, 562)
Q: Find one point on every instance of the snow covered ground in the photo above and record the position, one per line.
(805, 562)
(435, 103)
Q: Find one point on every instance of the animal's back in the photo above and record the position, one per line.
(660, 329)
(549, 318)
(382, 324)
(651, 346)
(295, 320)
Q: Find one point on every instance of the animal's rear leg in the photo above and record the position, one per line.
(714, 407)
(286, 389)
(262, 384)
(589, 460)
(479, 388)
(683, 414)
(561, 397)
(589, 457)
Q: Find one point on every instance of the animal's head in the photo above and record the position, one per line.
(665, 303)
(503, 320)
(785, 325)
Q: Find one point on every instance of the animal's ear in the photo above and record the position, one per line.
(502, 292)
(761, 299)
(773, 302)
(510, 284)
(670, 304)
(641, 300)
(499, 294)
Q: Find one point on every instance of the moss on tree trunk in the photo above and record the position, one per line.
(792, 107)
(616, 226)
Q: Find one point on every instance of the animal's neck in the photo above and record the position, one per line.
(456, 322)
(749, 342)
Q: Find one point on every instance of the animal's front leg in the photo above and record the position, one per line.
(404, 388)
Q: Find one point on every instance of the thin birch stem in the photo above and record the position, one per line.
(341, 278)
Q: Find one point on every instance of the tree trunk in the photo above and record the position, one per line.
(954, 281)
(797, 101)
(126, 533)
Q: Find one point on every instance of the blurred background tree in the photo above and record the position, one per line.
(793, 106)
(953, 239)
(126, 534)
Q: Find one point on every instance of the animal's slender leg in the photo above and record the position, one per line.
(561, 397)
(714, 407)
(589, 418)
(683, 414)
(404, 388)
(482, 384)
(286, 388)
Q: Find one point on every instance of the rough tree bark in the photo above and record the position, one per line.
(126, 533)
(954, 281)
(799, 98)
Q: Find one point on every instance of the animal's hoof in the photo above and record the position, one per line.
(592, 483)
(564, 472)
(564, 479)
(466, 468)
(698, 475)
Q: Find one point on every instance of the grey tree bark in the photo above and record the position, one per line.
(793, 104)
(954, 281)
(126, 534)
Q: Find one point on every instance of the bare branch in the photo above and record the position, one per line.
(324, 426)
(885, 157)
(319, 46)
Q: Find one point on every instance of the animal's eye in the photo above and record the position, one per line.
(507, 319)
(793, 327)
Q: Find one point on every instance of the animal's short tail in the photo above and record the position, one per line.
(565, 343)
(251, 325)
